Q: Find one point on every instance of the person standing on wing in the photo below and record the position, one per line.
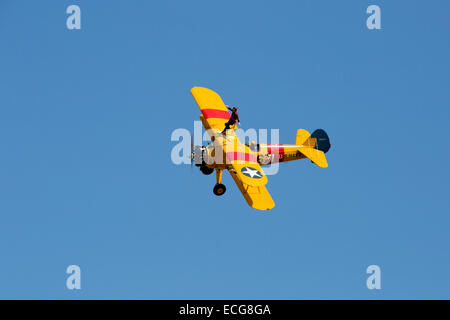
(232, 121)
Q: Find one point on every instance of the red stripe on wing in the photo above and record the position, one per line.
(241, 156)
(214, 113)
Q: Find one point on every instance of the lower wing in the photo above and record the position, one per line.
(246, 172)
(257, 197)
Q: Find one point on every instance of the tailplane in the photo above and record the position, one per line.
(302, 137)
(316, 156)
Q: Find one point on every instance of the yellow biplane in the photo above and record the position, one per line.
(244, 161)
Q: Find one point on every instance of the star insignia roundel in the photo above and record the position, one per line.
(251, 172)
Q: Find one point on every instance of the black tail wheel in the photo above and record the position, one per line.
(219, 189)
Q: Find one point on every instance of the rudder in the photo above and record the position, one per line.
(322, 140)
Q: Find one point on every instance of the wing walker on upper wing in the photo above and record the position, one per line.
(244, 161)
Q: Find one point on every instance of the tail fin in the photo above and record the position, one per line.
(305, 139)
(314, 146)
(319, 139)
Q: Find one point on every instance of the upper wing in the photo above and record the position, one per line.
(214, 112)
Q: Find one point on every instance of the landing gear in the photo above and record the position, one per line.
(219, 188)
(206, 170)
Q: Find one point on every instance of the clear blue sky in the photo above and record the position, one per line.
(85, 171)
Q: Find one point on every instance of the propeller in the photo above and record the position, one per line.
(192, 152)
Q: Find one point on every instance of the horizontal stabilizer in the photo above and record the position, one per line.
(316, 156)
(302, 136)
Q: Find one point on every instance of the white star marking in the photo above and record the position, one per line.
(251, 172)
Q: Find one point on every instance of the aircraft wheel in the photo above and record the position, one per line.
(206, 170)
(219, 189)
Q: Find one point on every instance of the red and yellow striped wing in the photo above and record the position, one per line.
(214, 112)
